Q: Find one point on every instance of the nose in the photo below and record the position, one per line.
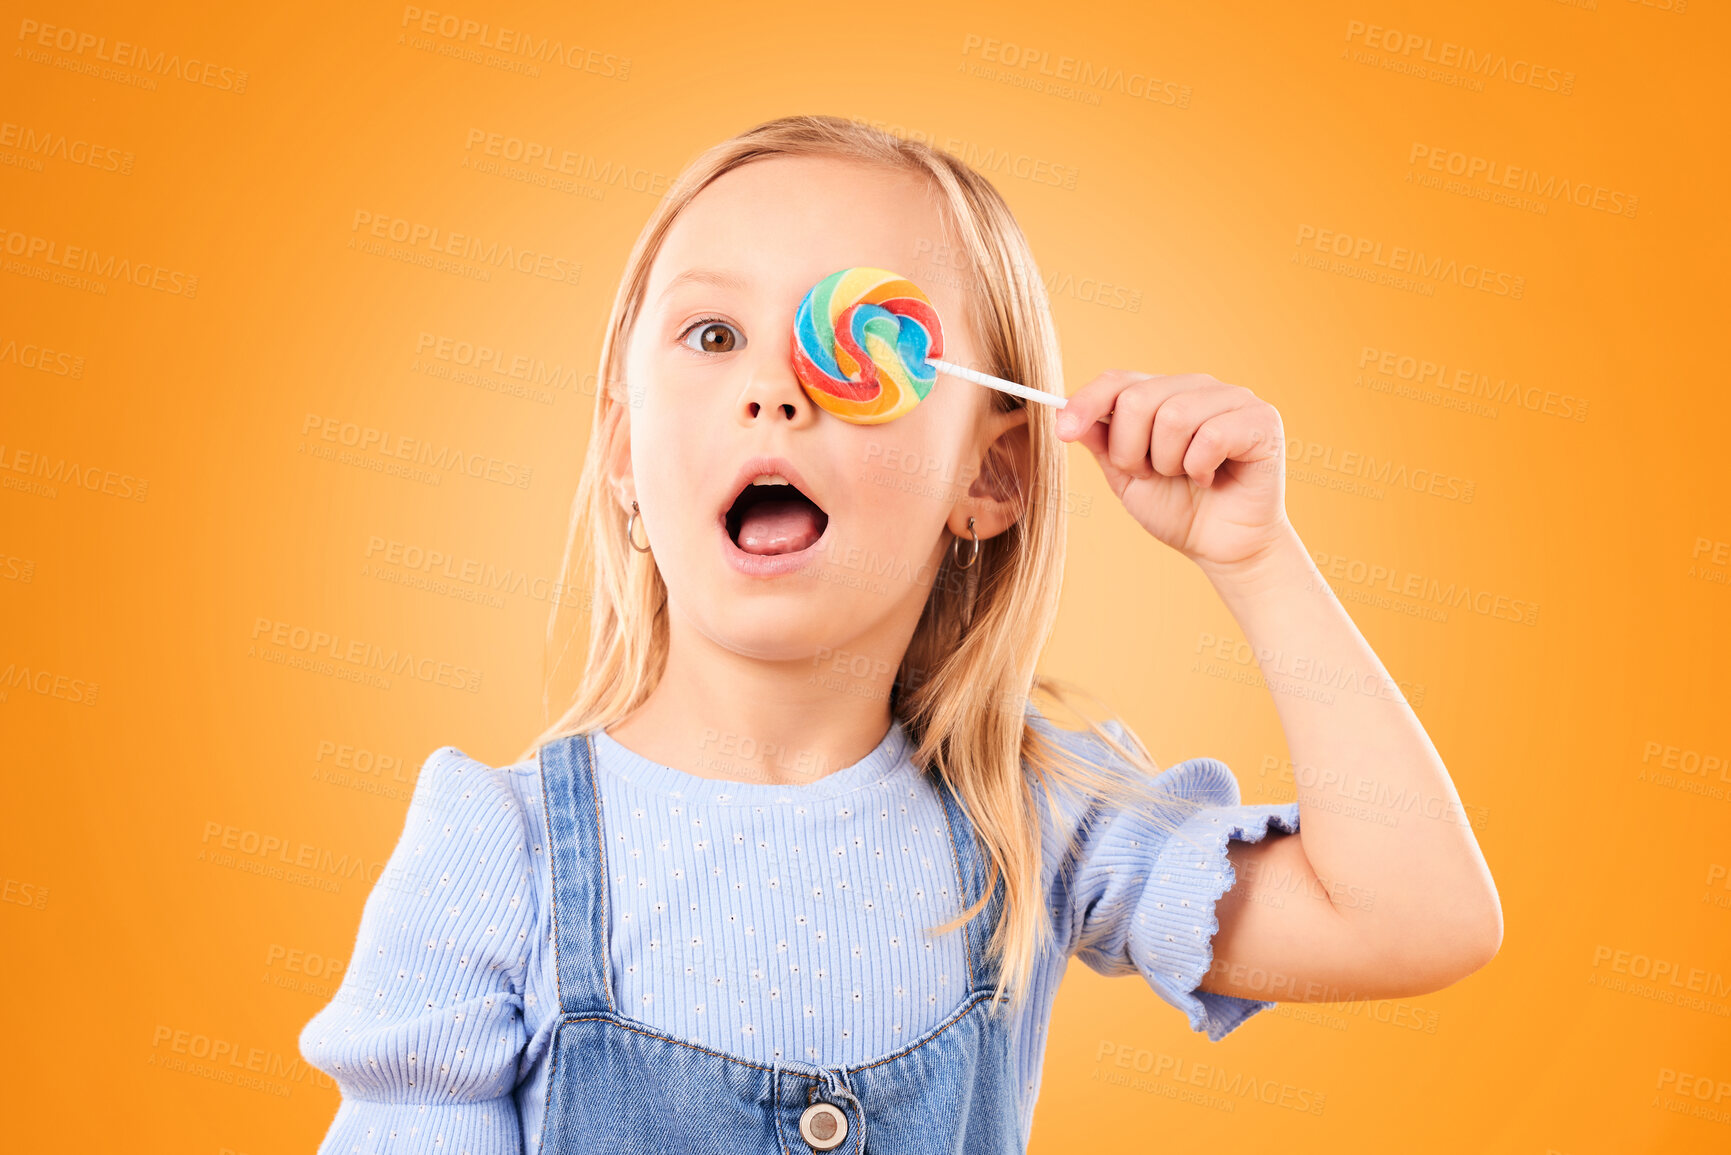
(773, 394)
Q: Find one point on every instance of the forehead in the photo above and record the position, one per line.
(783, 223)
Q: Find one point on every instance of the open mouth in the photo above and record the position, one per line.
(771, 516)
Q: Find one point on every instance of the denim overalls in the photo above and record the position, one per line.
(616, 1084)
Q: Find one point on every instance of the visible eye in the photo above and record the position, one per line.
(713, 336)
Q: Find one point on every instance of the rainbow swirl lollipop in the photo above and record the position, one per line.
(867, 346)
(861, 338)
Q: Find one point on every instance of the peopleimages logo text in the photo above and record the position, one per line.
(1487, 64)
(1401, 259)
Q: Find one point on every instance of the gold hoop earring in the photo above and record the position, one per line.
(974, 556)
(630, 522)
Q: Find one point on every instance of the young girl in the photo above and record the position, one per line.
(801, 864)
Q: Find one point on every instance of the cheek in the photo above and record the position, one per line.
(669, 449)
(906, 482)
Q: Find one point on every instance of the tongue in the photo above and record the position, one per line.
(784, 526)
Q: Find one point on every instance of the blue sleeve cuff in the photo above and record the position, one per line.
(1175, 920)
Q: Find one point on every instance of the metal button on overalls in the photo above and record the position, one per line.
(824, 1126)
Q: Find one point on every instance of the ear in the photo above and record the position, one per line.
(996, 496)
(617, 466)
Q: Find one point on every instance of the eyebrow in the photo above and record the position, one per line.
(718, 277)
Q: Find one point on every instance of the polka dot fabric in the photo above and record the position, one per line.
(782, 922)
(759, 919)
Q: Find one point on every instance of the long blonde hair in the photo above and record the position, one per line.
(964, 688)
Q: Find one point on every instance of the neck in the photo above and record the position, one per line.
(720, 714)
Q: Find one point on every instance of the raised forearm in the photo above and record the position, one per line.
(1380, 821)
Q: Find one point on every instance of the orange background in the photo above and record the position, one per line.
(165, 504)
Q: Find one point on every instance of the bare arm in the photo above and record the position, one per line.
(1383, 891)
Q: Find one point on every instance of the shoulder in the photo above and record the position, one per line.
(460, 797)
(449, 767)
(1176, 790)
(1103, 834)
(472, 831)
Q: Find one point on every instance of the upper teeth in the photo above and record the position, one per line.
(770, 479)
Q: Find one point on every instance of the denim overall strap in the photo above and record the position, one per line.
(971, 864)
(579, 861)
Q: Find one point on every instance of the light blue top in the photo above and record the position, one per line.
(764, 920)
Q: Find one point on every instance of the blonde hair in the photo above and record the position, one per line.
(964, 688)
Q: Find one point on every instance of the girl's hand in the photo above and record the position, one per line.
(1199, 463)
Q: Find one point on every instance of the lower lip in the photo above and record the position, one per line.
(769, 564)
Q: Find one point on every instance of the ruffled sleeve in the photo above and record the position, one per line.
(424, 1035)
(1136, 893)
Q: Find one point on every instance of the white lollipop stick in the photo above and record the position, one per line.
(999, 383)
